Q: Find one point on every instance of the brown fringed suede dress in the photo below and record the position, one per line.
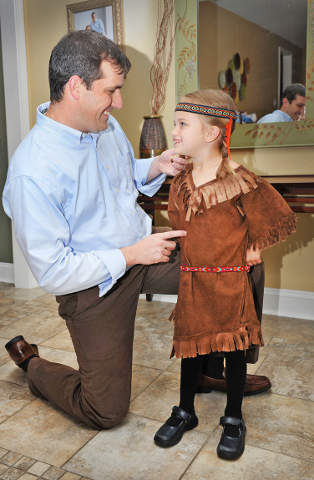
(215, 311)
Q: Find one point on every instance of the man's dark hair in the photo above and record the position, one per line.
(81, 53)
(291, 91)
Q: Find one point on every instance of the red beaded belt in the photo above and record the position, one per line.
(241, 268)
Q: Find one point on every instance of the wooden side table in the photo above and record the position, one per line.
(297, 190)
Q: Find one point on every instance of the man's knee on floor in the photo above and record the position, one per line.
(105, 418)
(112, 422)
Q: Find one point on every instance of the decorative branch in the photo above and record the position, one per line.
(159, 72)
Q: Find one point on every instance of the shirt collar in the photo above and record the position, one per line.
(67, 133)
(284, 115)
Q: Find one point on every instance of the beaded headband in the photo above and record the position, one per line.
(206, 110)
(211, 112)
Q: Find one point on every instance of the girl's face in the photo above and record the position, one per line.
(189, 134)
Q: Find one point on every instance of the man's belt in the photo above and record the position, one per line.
(241, 268)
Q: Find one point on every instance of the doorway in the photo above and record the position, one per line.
(16, 115)
(285, 71)
(5, 223)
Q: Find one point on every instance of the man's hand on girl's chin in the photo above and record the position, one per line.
(171, 163)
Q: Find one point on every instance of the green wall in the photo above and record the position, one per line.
(5, 223)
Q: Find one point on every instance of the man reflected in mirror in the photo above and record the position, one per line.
(292, 106)
(96, 24)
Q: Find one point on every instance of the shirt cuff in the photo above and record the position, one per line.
(154, 185)
(116, 265)
(142, 167)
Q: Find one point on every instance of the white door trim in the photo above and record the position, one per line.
(16, 103)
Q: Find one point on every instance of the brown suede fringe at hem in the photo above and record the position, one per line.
(241, 339)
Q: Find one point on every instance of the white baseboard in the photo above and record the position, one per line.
(6, 272)
(289, 303)
(280, 302)
(161, 298)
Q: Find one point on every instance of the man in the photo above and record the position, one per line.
(71, 192)
(96, 24)
(292, 106)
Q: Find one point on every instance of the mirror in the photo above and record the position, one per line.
(253, 49)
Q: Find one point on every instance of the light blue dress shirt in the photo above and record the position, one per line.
(72, 198)
(275, 116)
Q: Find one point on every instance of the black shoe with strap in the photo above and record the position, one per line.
(231, 447)
(171, 432)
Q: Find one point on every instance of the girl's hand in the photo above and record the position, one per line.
(253, 256)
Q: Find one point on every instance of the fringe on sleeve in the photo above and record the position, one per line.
(270, 219)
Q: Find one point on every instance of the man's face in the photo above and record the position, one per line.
(94, 17)
(296, 108)
(103, 96)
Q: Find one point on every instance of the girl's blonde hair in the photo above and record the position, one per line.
(215, 98)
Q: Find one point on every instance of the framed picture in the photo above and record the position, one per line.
(103, 16)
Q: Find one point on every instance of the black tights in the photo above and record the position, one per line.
(213, 366)
(191, 369)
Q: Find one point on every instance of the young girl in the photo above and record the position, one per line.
(230, 215)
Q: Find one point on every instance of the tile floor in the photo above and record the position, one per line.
(37, 441)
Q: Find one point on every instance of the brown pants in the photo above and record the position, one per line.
(102, 330)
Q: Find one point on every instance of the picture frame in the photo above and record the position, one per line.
(104, 16)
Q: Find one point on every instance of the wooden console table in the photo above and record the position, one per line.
(298, 191)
